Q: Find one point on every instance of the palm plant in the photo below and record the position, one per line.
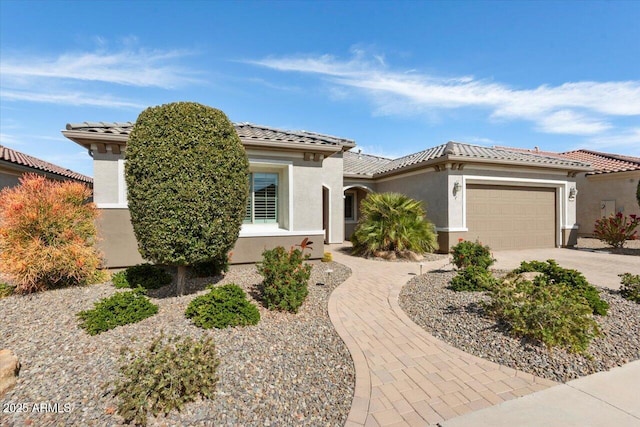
(393, 222)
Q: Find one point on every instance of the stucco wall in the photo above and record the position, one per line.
(332, 169)
(108, 178)
(117, 242)
(8, 179)
(427, 186)
(594, 189)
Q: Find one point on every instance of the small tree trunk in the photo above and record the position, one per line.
(182, 273)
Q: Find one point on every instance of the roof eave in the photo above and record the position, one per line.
(297, 146)
(449, 158)
(85, 139)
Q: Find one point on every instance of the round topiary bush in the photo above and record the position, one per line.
(186, 175)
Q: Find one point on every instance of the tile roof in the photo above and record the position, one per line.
(462, 151)
(604, 162)
(246, 131)
(362, 164)
(15, 157)
(600, 162)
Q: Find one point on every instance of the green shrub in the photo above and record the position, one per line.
(572, 278)
(165, 376)
(5, 290)
(285, 279)
(616, 229)
(119, 280)
(187, 186)
(466, 254)
(472, 278)
(554, 314)
(630, 288)
(117, 310)
(222, 307)
(147, 276)
(393, 222)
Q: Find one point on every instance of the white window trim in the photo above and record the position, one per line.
(265, 230)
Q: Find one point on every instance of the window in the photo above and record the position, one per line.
(349, 206)
(262, 206)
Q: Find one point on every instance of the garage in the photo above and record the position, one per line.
(506, 217)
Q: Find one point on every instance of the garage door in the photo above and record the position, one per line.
(511, 217)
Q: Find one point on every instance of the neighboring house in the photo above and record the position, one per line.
(296, 181)
(14, 164)
(503, 198)
(608, 189)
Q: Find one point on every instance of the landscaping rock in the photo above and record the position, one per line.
(459, 319)
(9, 369)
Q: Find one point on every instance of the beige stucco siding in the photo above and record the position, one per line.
(618, 187)
(332, 180)
(427, 186)
(108, 178)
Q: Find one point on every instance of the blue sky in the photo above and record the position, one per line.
(397, 77)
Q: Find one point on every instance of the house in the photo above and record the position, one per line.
(296, 189)
(14, 164)
(311, 185)
(504, 198)
(607, 189)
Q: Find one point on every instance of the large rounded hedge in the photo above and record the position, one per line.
(186, 173)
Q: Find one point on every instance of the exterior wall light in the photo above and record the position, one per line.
(573, 192)
(456, 188)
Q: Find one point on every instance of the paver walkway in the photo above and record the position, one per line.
(405, 376)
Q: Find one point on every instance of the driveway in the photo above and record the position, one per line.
(600, 269)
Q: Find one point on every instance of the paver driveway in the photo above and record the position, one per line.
(404, 376)
(600, 269)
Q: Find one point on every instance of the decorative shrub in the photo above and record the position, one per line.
(285, 279)
(47, 234)
(574, 279)
(630, 288)
(551, 313)
(393, 222)
(5, 290)
(119, 280)
(165, 376)
(117, 310)
(327, 257)
(616, 229)
(472, 278)
(187, 186)
(466, 254)
(147, 276)
(223, 306)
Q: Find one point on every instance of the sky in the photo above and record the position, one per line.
(395, 76)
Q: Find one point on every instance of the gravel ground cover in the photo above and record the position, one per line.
(632, 247)
(289, 369)
(457, 318)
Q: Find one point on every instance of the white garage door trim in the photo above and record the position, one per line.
(560, 186)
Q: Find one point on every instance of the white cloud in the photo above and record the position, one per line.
(578, 108)
(569, 122)
(140, 68)
(69, 98)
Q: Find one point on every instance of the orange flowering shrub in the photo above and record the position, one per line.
(48, 234)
